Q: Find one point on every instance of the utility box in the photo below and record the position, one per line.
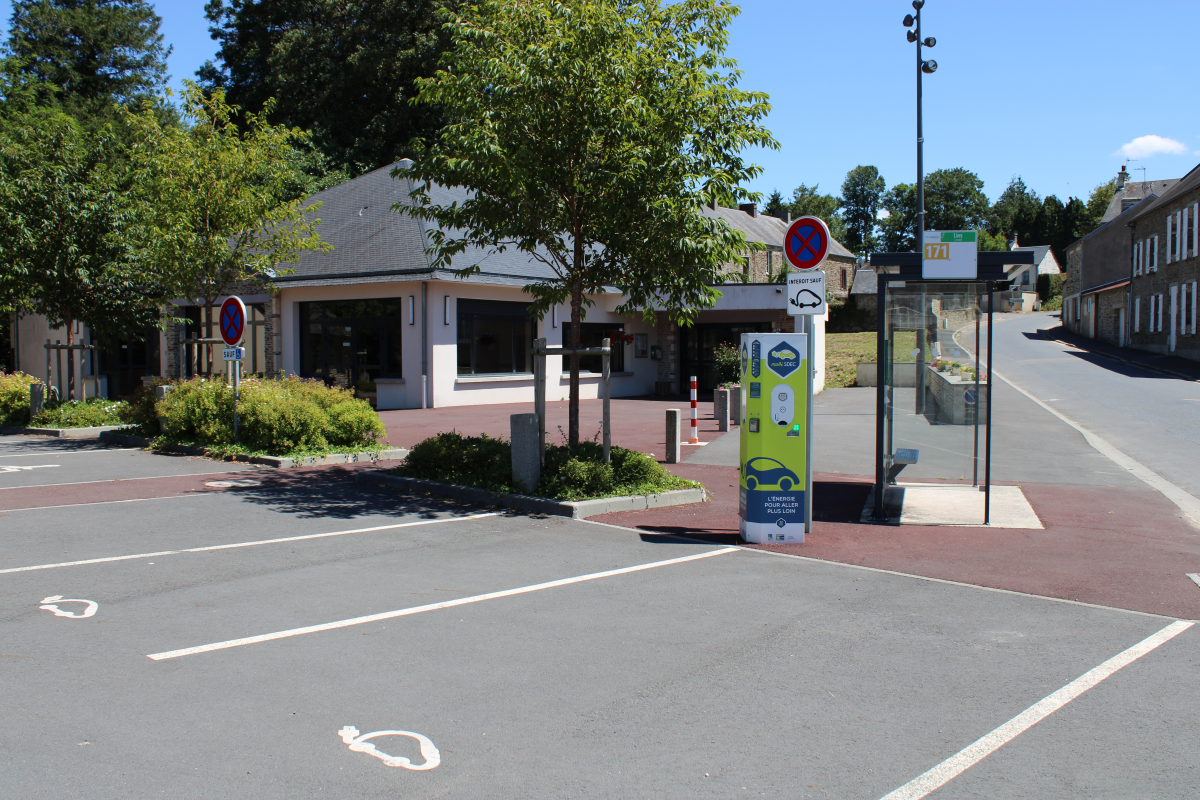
(774, 437)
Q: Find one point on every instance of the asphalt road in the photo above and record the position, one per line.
(1151, 417)
(730, 673)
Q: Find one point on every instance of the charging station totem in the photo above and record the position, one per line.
(774, 437)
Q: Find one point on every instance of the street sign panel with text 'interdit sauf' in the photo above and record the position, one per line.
(950, 255)
(806, 293)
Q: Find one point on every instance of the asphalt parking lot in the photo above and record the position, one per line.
(233, 631)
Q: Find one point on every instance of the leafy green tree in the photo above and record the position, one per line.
(807, 200)
(1015, 212)
(954, 200)
(90, 54)
(65, 222)
(862, 195)
(211, 191)
(896, 228)
(590, 134)
(1097, 204)
(345, 71)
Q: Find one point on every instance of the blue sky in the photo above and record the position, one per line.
(1051, 90)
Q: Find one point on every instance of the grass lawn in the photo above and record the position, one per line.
(844, 350)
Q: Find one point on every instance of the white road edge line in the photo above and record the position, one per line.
(971, 755)
(404, 612)
(1189, 504)
(210, 548)
(1195, 576)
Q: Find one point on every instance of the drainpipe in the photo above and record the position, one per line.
(424, 344)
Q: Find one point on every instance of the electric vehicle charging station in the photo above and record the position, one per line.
(776, 476)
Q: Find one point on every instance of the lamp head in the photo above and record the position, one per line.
(930, 41)
(912, 36)
(918, 3)
(929, 67)
(908, 20)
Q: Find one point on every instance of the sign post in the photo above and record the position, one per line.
(233, 327)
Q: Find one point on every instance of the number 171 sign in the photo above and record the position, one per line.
(950, 255)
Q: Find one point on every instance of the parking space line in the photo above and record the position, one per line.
(100, 502)
(128, 480)
(4, 454)
(210, 548)
(404, 612)
(971, 755)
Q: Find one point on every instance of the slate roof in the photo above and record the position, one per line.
(866, 281)
(1182, 186)
(374, 244)
(1134, 192)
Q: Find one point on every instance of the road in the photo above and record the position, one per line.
(1151, 417)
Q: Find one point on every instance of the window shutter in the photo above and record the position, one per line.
(1195, 230)
(1170, 222)
(1137, 314)
(1154, 266)
(1159, 314)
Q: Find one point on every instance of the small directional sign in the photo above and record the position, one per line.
(806, 293)
(233, 353)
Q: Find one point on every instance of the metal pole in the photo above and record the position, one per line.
(810, 328)
(920, 147)
(48, 367)
(58, 368)
(975, 457)
(879, 404)
(237, 374)
(693, 437)
(539, 394)
(605, 362)
(987, 464)
(424, 344)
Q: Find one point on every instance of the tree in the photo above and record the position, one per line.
(89, 54)
(1097, 204)
(590, 134)
(776, 205)
(1015, 212)
(862, 194)
(345, 71)
(806, 200)
(212, 193)
(65, 221)
(954, 201)
(896, 228)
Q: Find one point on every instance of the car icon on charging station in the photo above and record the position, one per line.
(763, 472)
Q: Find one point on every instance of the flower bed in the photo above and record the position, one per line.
(568, 474)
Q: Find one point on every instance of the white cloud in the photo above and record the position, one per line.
(1146, 146)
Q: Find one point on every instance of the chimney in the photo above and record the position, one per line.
(1122, 177)
(1012, 243)
(749, 208)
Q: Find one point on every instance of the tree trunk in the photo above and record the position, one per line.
(70, 357)
(208, 334)
(573, 405)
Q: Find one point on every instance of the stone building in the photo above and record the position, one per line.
(1096, 282)
(1164, 270)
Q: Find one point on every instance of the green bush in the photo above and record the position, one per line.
(727, 363)
(85, 414)
(279, 417)
(567, 474)
(14, 397)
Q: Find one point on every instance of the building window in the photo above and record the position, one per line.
(843, 278)
(348, 343)
(494, 338)
(1171, 239)
(593, 334)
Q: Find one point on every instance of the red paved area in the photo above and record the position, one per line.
(1127, 548)
(637, 424)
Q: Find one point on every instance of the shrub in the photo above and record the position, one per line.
(727, 363)
(567, 474)
(280, 417)
(85, 414)
(14, 397)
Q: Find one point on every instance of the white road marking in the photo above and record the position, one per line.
(50, 604)
(99, 502)
(969, 756)
(210, 548)
(1195, 576)
(232, 484)
(64, 452)
(404, 612)
(359, 744)
(125, 480)
(1189, 504)
(4, 468)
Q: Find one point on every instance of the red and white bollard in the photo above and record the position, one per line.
(694, 439)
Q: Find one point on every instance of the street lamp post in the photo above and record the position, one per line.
(923, 68)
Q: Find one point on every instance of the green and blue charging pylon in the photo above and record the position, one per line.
(774, 437)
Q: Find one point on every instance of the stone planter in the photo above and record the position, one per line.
(950, 394)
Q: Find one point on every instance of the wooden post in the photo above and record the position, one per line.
(605, 362)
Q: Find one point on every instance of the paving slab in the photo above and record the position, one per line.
(954, 504)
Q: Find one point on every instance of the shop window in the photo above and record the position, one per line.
(494, 338)
(593, 334)
(351, 343)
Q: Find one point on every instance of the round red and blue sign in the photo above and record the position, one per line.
(806, 243)
(232, 321)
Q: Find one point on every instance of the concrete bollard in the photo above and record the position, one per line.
(526, 455)
(735, 405)
(674, 416)
(37, 399)
(721, 409)
(160, 394)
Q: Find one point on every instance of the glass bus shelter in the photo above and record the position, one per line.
(934, 376)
